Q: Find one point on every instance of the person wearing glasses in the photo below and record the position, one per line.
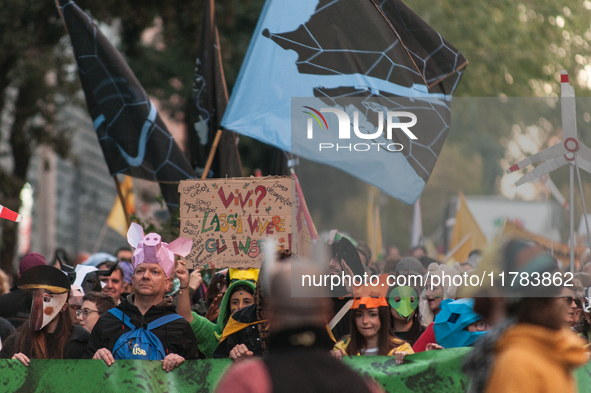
(574, 306)
(531, 349)
(94, 304)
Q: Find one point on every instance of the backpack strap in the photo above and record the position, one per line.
(163, 321)
(119, 314)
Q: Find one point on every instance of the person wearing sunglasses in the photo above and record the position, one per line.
(94, 304)
(574, 306)
(531, 349)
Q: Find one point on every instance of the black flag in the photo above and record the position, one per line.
(209, 100)
(133, 137)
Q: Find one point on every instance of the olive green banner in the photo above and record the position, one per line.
(434, 371)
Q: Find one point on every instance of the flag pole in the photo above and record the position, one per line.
(122, 200)
(584, 207)
(572, 217)
(100, 238)
(214, 147)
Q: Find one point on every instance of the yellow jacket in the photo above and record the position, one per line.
(532, 358)
(402, 346)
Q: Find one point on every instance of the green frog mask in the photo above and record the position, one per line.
(404, 300)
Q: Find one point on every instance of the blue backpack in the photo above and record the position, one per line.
(140, 343)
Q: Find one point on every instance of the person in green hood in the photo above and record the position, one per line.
(239, 295)
(405, 322)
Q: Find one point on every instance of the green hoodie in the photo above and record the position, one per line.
(209, 333)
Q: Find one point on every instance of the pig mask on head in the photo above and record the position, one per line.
(151, 248)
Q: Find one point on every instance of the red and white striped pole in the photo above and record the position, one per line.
(10, 215)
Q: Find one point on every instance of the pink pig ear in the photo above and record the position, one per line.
(181, 246)
(135, 234)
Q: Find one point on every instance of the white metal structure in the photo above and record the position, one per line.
(570, 151)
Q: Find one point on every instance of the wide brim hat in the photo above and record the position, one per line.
(45, 277)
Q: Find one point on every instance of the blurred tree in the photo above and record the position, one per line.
(37, 77)
(34, 84)
(515, 48)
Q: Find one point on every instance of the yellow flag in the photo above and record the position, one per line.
(116, 219)
(560, 251)
(374, 226)
(467, 234)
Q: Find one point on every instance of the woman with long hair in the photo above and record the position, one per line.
(434, 293)
(49, 333)
(370, 332)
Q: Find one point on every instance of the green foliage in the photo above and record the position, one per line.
(515, 48)
(34, 85)
(169, 229)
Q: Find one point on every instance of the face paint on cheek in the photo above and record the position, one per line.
(237, 306)
(46, 307)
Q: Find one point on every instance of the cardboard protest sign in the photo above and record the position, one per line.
(230, 219)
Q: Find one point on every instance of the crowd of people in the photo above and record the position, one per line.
(141, 304)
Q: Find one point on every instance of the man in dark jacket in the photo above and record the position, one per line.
(151, 277)
(176, 337)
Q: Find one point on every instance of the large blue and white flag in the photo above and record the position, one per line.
(373, 57)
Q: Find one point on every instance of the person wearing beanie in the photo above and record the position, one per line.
(409, 266)
(29, 260)
(15, 306)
